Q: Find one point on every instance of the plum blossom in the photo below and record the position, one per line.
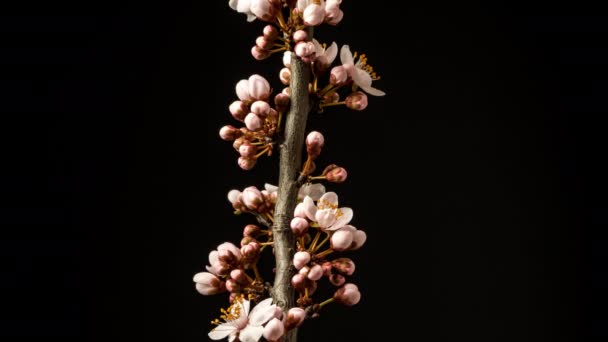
(239, 322)
(325, 56)
(360, 72)
(242, 6)
(327, 213)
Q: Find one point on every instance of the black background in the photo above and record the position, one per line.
(478, 178)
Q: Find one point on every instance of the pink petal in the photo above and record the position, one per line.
(251, 333)
(346, 56)
(262, 312)
(328, 199)
(309, 208)
(347, 215)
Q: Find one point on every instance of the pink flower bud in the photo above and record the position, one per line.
(341, 240)
(238, 109)
(232, 285)
(356, 101)
(338, 75)
(337, 279)
(259, 88)
(238, 142)
(285, 76)
(251, 230)
(239, 276)
(274, 330)
(333, 13)
(359, 238)
(229, 133)
(337, 175)
(264, 10)
(344, 265)
(263, 43)
(314, 144)
(300, 259)
(242, 90)
(246, 163)
(259, 54)
(298, 281)
(233, 196)
(348, 295)
(208, 284)
(300, 36)
(299, 226)
(315, 273)
(300, 211)
(281, 102)
(286, 91)
(247, 150)
(295, 318)
(251, 251)
(313, 15)
(253, 122)
(278, 312)
(252, 198)
(270, 33)
(260, 108)
(247, 240)
(305, 50)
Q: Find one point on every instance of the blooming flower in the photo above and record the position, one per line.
(326, 213)
(323, 55)
(239, 322)
(360, 72)
(242, 6)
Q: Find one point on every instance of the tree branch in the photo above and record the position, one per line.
(290, 163)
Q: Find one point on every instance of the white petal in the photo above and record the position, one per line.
(233, 4)
(347, 215)
(310, 208)
(271, 188)
(331, 52)
(213, 257)
(349, 228)
(251, 333)
(362, 78)
(346, 56)
(302, 4)
(232, 337)
(244, 6)
(325, 217)
(222, 331)
(328, 199)
(246, 305)
(250, 17)
(262, 312)
(373, 91)
(318, 47)
(316, 191)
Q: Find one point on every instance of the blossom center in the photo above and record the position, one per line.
(365, 66)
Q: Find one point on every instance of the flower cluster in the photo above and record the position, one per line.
(261, 121)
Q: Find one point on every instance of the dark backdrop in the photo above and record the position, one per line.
(478, 177)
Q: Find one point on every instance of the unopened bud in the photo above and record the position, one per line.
(246, 163)
(298, 281)
(253, 122)
(295, 318)
(232, 285)
(341, 240)
(263, 43)
(251, 230)
(273, 330)
(281, 102)
(338, 75)
(247, 150)
(270, 32)
(239, 110)
(260, 108)
(337, 175)
(251, 251)
(314, 144)
(208, 284)
(348, 295)
(299, 226)
(285, 76)
(239, 276)
(259, 54)
(313, 15)
(356, 101)
(344, 265)
(337, 279)
(315, 273)
(359, 238)
(300, 259)
(252, 198)
(229, 133)
(300, 36)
